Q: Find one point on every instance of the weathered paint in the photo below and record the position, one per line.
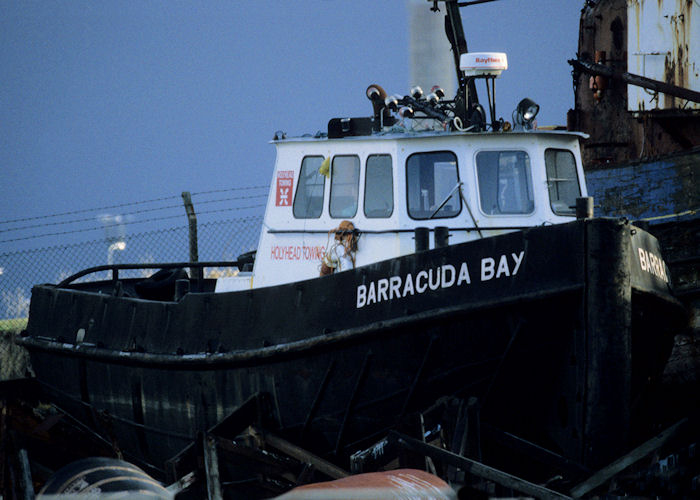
(664, 44)
(666, 193)
(604, 29)
(619, 29)
(641, 190)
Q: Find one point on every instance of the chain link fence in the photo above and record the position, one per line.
(217, 241)
(165, 235)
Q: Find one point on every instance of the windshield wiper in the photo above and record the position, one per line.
(444, 202)
(458, 186)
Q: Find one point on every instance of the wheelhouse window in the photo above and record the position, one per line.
(431, 180)
(308, 200)
(505, 185)
(379, 187)
(345, 184)
(562, 181)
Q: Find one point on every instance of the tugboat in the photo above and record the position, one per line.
(427, 250)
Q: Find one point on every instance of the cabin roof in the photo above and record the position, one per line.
(412, 134)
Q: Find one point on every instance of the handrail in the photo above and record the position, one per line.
(115, 268)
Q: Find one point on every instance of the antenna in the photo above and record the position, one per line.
(466, 96)
(463, 113)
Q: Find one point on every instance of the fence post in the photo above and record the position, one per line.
(192, 220)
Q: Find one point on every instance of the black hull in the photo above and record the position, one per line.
(556, 335)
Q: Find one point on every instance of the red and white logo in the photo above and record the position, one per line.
(285, 184)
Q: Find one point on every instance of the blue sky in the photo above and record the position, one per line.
(104, 102)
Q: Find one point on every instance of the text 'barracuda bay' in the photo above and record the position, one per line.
(445, 276)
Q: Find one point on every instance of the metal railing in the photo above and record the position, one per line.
(219, 242)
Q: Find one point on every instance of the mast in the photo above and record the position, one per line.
(466, 96)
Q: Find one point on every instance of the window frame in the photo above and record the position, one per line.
(530, 183)
(330, 195)
(299, 186)
(571, 212)
(408, 206)
(391, 178)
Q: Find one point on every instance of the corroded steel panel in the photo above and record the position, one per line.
(654, 190)
(664, 44)
(603, 30)
(611, 32)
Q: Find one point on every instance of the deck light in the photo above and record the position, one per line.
(406, 112)
(416, 92)
(392, 103)
(525, 113)
(438, 91)
(382, 114)
(375, 92)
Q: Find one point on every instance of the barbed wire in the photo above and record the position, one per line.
(135, 212)
(151, 233)
(220, 238)
(230, 189)
(155, 219)
(122, 205)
